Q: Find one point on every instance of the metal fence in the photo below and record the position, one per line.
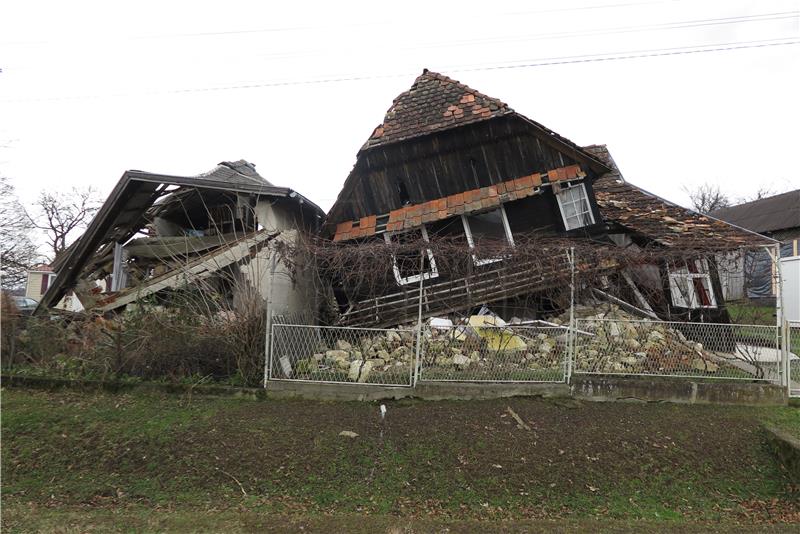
(696, 350)
(341, 355)
(516, 353)
(489, 353)
(793, 361)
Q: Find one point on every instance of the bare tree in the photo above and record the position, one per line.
(763, 191)
(61, 214)
(706, 198)
(17, 250)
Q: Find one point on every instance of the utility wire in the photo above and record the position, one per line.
(763, 17)
(540, 62)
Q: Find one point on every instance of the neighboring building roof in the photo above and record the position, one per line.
(469, 201)
(779, 212)
(660, 220)
(432, 104)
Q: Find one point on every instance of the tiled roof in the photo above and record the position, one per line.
(470, 201)
(666, 223)
(434, 103)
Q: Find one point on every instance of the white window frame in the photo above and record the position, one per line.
(471, 240)
(680, 278)
(582, 188)
(427, 275)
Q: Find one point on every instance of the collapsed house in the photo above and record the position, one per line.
(218, 230)
(450, 164)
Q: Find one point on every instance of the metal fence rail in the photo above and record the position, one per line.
(493, 354)
(341, 355)
(655, 348)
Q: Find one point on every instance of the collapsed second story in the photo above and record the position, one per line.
(450, 160)
(451, 164)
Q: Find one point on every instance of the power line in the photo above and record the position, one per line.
(631, 29)
(697, 23)
(283, 29)
(540, 62)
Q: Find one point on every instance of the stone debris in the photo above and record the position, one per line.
(623, 343)
(348, 434)
(483, 345)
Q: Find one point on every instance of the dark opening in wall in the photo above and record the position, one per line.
(402, 191)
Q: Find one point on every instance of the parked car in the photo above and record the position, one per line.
(25, 305)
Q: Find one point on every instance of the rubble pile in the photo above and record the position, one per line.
(608, 340)
(362, 359)
(614, 341)
(488, 347)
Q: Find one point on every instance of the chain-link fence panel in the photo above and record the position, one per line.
(490, 353)
(731, 351)
(794, 360)
(342, 355)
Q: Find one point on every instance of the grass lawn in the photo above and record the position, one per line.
(744, 312)
(95, 462)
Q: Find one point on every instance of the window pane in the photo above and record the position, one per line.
(487, 227)
(569, 210)
(575, 207)
(407, 258)
(408, 254)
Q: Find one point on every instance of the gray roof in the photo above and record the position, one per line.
(239, 172)
(769, 214)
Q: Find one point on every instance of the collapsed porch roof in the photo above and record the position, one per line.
(122, 215)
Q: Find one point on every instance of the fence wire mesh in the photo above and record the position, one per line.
(516, 353)
(342, 355)
(493, 354)
(731, 351)
(794, 360)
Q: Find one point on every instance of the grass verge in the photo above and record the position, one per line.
(110, 458)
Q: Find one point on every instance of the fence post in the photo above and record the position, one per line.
(572, 332)
(786, 344)
(416, 363)
(268, 331)
(781, 340)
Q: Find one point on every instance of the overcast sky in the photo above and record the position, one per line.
(90, 89)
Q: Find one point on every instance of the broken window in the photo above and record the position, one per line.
(574, 206)
(690, 285)
(485, 230)
(407, 262)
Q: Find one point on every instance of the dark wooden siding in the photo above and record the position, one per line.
(434, 166)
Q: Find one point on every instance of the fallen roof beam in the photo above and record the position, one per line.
(195, 270)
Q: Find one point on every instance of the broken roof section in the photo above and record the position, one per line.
(123, 214)
(666, 223)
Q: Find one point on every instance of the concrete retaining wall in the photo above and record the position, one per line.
(681, 390)
(787, 450)
(591, 388)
